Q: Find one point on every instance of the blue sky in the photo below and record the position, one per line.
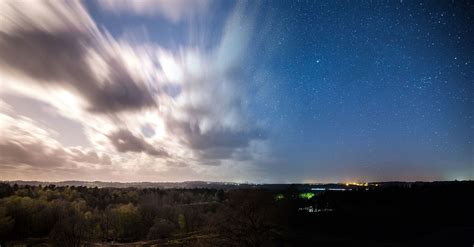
(270, 91)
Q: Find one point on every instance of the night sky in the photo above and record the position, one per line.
(271, 91)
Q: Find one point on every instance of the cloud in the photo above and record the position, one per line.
(214, 143)
(23, 142)
(172, 10)
(38, 154)
(57, 44)
(34, 154)
(125, 141)
(210, 115)
(141, 106)
(90, 157)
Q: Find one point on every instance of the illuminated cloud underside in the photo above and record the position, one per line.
(118, 91)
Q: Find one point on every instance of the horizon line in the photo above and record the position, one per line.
(229, 182)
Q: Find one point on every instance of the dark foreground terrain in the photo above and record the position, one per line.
(398, 214)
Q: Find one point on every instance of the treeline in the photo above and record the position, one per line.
(419, 215)
(71, 215)
(74, 216)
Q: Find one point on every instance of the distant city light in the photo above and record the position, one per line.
(279, 197)
(357, 184)
(322, 189)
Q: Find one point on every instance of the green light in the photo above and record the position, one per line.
(279, 197)
(307, 195)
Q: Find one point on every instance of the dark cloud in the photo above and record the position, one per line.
(211, 162)
(34, 154)
(215, 143)
(222, 138)
(39, 154)
(215, 153)
(180, 164)
(59, 58)
(125, 141)
(91, 157)
(214, 138)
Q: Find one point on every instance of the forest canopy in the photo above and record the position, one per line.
(78, 215)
